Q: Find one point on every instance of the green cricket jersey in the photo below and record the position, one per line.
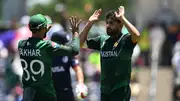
(115, 60)
(36, 58)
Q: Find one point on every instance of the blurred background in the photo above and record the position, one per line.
(156, 58)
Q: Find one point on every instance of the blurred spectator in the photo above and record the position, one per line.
(7, 55)
(176, 64)
(135, 86)
(94, 75)
(94, 59)
(157, 37)
(144, 44)
(23, 32)
(64, 20)
(135, 55)
(8, 36)
(55, 28)
(3, 57)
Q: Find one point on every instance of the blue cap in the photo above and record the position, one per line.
(61, 37)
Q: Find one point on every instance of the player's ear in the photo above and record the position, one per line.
(43, 30)
(48, 28)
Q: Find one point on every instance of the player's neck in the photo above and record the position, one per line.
(37, 35)
(117, 36)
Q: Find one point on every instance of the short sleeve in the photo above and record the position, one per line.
(19, 43)
(94, 43)
(129, 42)
(62, 50)
(74, 62)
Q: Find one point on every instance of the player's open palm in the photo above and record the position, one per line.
(74, 21)
(120, 13)
(95, 15)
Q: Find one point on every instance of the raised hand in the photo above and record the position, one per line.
(120, 13)
(74, 24)
(95, 16)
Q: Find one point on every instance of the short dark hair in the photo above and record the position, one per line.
(111, 15)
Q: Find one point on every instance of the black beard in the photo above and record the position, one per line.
(113, 33)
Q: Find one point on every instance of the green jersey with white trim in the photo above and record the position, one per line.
(115, 60)
(36, 59)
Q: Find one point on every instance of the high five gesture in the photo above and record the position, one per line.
(120, 13)
(92, 19)
(131, 29)
(95, 16)
(74, 24)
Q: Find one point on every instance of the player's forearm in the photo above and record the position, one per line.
(70, 50)
(79, 75)
(135, 35)
(75, 45)
(84, 33)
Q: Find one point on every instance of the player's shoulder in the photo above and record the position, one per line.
(51, 43)
(47, 41)
(22, 42)
(127, 36)
(104, 37)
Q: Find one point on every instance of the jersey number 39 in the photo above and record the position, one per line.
(33, 72)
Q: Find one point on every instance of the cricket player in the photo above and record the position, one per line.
(116, 50)
(36, 57)
(61, 70)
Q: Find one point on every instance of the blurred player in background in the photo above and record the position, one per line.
(61, 70)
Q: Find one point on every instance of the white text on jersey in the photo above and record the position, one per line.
(29, 52)
(106, 54)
